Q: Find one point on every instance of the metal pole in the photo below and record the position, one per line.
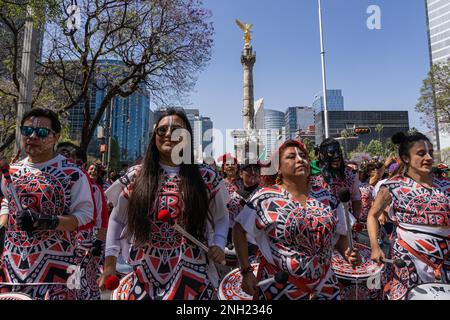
(26, 77)
(324, 81)
(436, 120)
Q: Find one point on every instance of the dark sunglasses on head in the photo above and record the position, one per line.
(162, 130)
(40, 132)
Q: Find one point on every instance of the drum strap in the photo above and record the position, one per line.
(422, 257)
(298, 282)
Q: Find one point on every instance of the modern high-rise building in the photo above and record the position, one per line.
(207, 124)
(438, 29)
(298, 119)
(335, 101)
(131, 124)
(392, 121)
(438, 23)
(274, 124)
(259, 114)
(130, 119)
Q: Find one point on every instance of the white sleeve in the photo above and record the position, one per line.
(247, 219)
(341, 226)
(116, 225)
(114, 191)
(4, 209)
(220, 215)
(82, 203)
(355, 193)
(4, 201)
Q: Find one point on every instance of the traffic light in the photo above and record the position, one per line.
(362, 130)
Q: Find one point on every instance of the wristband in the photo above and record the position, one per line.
(47, 222)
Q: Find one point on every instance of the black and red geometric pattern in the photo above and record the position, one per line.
(300, 238)
(413, 203)
(338, 183)
(169, 267)
(366, 191)
(46, 256)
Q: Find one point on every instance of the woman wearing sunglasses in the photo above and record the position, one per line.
(56, 194)
(166, 265)
(296, 227)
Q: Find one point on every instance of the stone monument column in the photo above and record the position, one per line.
(248, 59)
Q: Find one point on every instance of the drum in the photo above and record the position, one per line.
(230, 257)
(361, 236)
(14, 296)
(362, 282)
(429, 291)
(122, 268)
(230, 287)
(123, 290)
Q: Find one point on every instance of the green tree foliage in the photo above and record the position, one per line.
(436, 90)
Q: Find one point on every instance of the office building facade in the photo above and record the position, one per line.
(392, 121)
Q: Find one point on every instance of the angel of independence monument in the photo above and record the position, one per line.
(247, 143)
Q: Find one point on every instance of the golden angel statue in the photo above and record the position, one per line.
(246, 28)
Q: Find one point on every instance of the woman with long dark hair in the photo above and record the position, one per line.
(166, 265)
(297, 226)
(420, 206)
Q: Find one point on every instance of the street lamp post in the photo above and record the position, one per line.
(324, 81)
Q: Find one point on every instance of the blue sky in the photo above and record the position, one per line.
(376, 69)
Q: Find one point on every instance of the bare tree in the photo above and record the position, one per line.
(12, 21)
(121, 46)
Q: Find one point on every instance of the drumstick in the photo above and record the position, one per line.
(5, 172)
(281, 278)
(397, 262)
(344, 197)
(164, 215)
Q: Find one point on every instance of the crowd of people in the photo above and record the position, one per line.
(182, 227)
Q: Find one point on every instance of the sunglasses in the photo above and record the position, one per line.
(252, 170)
(40, 132)
(162, 130)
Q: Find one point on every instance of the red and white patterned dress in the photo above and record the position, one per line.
(349, 181)
(91, 266)
(169, 267)
(294, 239)
(366, 190)
(56, 187)
(419, 212)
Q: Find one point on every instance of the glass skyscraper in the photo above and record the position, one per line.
(298, 119)
(130, 119)
(131, 124)
(335, 101)
(438, 22)
(274, 124)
